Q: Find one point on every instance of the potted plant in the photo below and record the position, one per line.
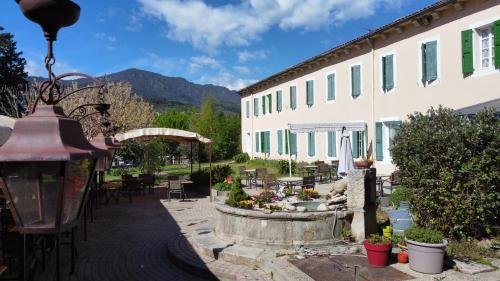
(425, 249)
(378, 249)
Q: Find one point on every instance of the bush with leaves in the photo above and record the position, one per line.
(283, 167)
(221, 186)
(220, 173)
(237, 194)
(424, 235)
(241, 157)
(401, 194)
(451, 163)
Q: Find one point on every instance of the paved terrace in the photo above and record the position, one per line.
(128, 242)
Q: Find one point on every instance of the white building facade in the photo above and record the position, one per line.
(446, 54)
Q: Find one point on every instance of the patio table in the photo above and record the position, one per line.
(311, 169)
(289, 182)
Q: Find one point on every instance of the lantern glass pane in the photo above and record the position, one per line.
(75, 185)
(33, 187)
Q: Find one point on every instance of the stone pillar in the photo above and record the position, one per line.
(361, 200)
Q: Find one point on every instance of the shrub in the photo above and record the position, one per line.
(116, 172)
(424, 235)
(469, 251)
(399, 195)
(220, 173)
(201, 177)
(283, 167)
(451, 163)
(237, 194)
(246, 204)
(307, 194)
(221, 186)
(241, 157)
(378, 239)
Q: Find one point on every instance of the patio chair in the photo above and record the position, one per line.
(308, 182)
(270, 182)
(334, 167)
(260, 174)
(148, 181)
(324, 172)
(129, 185)
(243, 174)
(301, 167)
(175, 186)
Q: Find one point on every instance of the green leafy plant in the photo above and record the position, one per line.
(307, 194)
(401, 194)
(451, 163)
(283, 167)
(265, 196)
(424, 235)
(241, 157)
(246, 204)
(469, 251)
(236, 194)
(221, 186)
(347, 234)
(220, 173)
(378, 239)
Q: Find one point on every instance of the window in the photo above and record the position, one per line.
(331, 143)
(358, 144)
(256, 106)
(290, 139)
(310, 93)
(385, 132)
(257, 142)
(279, 137)
(429, 65)
(293, 97)
(265, 142)
(248, 108)
(270, 103)
(355, 81)
(487, 55)
(311, 144)
(279, 101)
(330, 87)
(387, 73)
(263, 105)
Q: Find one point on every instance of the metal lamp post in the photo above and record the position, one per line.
(47, 163)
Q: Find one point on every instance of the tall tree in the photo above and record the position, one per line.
(12, 76)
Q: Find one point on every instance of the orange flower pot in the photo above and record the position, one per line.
(403, 257)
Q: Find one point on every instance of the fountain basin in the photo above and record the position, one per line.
(279, 230)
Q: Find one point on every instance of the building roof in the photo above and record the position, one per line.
(420, 17)
(473, 109)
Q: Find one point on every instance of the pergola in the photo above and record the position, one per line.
(175, 135)
(322, 127)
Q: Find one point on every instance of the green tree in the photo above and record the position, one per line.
(451, 163)
(12, 76)
(174, 119)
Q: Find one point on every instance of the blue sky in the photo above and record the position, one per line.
(231, 43)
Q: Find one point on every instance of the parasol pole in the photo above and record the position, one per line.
(210, 168)
(289, 152)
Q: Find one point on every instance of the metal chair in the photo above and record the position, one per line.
(334, 167)
(175, 186)
(260, 174)
(129, 185)
(308, 182)
(323, 172)
(243, 174)
(148, 181)
(270, 182)
(301, 167)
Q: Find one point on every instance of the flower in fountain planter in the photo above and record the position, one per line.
(308, 194)
(246, 204)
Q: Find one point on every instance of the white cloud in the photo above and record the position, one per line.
(199, 62)
(208, 27)
(156, 63)
(242, 69)
(134, 23)
(226, 79)
(245, 56)
(36, 67)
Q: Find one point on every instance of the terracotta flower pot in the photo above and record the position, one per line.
(403, 257)
(378, 254)
(425, 257)
(363, 163)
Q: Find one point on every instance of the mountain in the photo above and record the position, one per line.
(167, 92)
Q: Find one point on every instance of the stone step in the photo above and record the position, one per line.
(206, 243)
(241, 255)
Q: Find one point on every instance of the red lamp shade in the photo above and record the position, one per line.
(105, 143)
(46, 166)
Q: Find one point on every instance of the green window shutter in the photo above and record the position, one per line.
(424, 63)
(356, 81)
(293, 97)
(293, 143)
(355, 144)
(311, 144)
(256, 106)
(286, 141)
(467, 54)
(279, 101)
(257, 143)
(330, 80)
(268, 137)
(496, 42)
(389, 72)
(270, 98)
(384, 74)
(431, 60)
(331, 140)
(280, 141)
(248, 108)
(378, 142)
(310, 93)
(263, 104)
(363, 149)
(263, 142)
